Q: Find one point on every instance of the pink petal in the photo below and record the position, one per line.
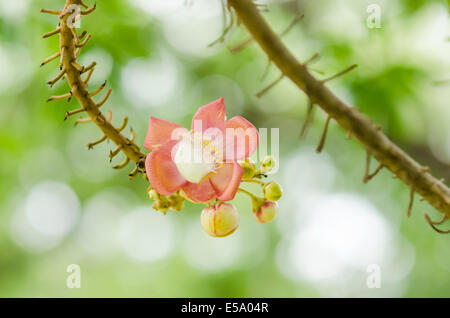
(199, 192)
(242, 139)
(162, 171)
(209, 116)
(159, 132)
(227, 180)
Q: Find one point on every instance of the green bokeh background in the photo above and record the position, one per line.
(61, 204)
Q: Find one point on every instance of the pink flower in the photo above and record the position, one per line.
(201, 162)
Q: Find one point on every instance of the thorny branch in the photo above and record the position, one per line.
(377, 144)
(70, 46)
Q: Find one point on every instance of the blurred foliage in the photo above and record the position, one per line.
(155, 57)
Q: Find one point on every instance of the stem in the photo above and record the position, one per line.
(254, 181)
(81, 93)
(379, 145)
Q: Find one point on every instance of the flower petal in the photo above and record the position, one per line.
(162, 171)
(242, 139)
(199, 192)
(209, 116)
(159, 132)
(227, 180)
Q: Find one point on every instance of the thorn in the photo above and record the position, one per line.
(312, 59)
(90, 10)
(88, 77)
(73, 112)
(308, 119)
(82, 35)
(340, 73)
(133, 173)
(367, 175)
(133, 135)
(378, 127)
(411, 201)
(124, 124)
(60, 97)
(98, 90)
(82, 121)
(433, 224)
(114, 153)
(103, 101)
(221, 39)
(324, 136)
(57, 78)
(82, 44)
(95, 143)
(77, 66)
(241, 45)
(123, 164)
(55, 12)
(51, 58)
(49, 34)
(266, 89)
(92, 65)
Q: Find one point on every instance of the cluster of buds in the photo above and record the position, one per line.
(163, 203)
(222, 219)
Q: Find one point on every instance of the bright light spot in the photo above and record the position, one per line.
(188, 28)
(152, 83)
(146, 235)
(48, 214)
(15, 66)
(100, 223)
(14, 10)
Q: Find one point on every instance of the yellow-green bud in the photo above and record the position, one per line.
(176, 202)
(220, 219)
(272, 191)
(161, 206)
(153, 195)
(266, 212)
(249, 169)
(267, 164)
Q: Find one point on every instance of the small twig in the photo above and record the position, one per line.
(51, 58)
(95, 143)
(308, 119)
(411, 201)
(90, 10)
(433, 224)
(54, 12)
(74, 112)
(367, 175)
(57, 78)
(123, 164)
(103, 101)
(324, 136)
(98, 90)
(340, 73)
(49, 34)
(312, 59)
(267, 88)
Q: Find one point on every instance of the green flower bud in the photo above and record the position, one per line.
(220, 219)
(161, 206)
(249, 168)
(176, 202)
(266, 212)
(153, 195)
(267, 164)
(272, 191)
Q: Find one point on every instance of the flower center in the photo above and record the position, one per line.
(196, 157)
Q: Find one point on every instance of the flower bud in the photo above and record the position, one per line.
(267, 164)
(161, 206)
(266, 212)
(153, 195)
(220, 219)
(249, 168)
(272, 191)
(176, 202)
